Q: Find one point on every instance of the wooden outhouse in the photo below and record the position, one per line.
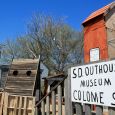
(23, 77)
(99, 34)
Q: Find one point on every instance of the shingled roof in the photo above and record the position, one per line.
(98, 12)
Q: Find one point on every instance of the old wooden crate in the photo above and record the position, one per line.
(18, 105)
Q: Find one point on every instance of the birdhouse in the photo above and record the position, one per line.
(23, 77)
(99, 34)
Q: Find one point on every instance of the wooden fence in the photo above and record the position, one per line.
(55, 104)
(1, 102)
(16, 104)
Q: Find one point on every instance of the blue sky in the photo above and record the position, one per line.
(15, 14)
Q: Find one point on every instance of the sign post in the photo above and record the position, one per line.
(94, 83)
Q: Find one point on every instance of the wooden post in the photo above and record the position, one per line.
(99, 110)
(5, 103)
(20, 105)
(59, 100)
(79, 109)
(33, 107)
(43, 108)
(15, 103)
(36, 111)
(88, 109)
(66, 96)
(25, 105)
(48, 105)
(111, 111)
(2, 101)
(53, 103)
(68, 103)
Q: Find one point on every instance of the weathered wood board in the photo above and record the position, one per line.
(22, 77)
(1, 102)
(18, 105)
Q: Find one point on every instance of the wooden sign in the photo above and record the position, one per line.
(94, 83)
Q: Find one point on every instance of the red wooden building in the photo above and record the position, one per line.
(99, 34)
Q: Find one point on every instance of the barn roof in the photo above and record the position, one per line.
(98, 12)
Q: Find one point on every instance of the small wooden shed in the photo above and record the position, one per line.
(99, 34)
(23, 77)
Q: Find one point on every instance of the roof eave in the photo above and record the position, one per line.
(110, 6)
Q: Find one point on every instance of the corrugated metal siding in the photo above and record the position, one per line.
(95, 37)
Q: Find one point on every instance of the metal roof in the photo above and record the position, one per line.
(98, 12)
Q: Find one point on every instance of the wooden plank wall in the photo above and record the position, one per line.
(21, 77)
(4, 72)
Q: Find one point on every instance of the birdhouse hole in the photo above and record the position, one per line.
(28, 73)
(15, 73)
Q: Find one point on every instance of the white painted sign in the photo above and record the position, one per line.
(94, 83)
(94, 54)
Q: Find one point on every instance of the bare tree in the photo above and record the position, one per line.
(56, 42)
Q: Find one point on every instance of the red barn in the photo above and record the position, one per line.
(99, 34)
